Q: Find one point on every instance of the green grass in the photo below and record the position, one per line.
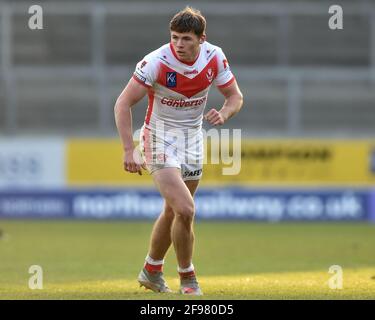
(101, 260)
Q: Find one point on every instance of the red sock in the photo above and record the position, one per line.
(187, 274)
(153, 267)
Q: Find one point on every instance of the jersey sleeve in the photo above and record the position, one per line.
(145, 72)
(224, 76)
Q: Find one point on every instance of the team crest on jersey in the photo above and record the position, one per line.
(210, 75)
(171, 79)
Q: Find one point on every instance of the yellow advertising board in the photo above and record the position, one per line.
(92, 162)
(302, 162)
(98, 162)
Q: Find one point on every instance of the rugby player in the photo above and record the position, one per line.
(176, 77)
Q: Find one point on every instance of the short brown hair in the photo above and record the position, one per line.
(187, 20)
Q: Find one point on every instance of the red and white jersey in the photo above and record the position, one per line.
(177, 91)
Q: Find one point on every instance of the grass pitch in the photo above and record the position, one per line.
(101, 260)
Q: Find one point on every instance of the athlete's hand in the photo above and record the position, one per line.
(133, 161)
(214, 117)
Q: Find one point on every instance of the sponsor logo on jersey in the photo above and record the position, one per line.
(139, 76)
(225, 63)
(171, 79)
(182, 103)
(195, 71)
(144, 62)
(210, 75)
(194, 173)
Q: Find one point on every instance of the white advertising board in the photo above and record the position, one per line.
(32, 163)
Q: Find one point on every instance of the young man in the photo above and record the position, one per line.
(177, 78)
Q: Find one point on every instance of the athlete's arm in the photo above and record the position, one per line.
(232, 104)
(132, 93)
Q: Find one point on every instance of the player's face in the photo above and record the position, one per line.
(186, 45)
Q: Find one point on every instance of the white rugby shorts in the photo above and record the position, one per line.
(173, 149)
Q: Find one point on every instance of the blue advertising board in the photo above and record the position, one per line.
(220, 203)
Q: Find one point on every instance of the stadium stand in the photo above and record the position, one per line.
(298, 76)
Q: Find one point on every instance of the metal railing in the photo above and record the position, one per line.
(101, 72)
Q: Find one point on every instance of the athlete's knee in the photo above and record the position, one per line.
(185, 211)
